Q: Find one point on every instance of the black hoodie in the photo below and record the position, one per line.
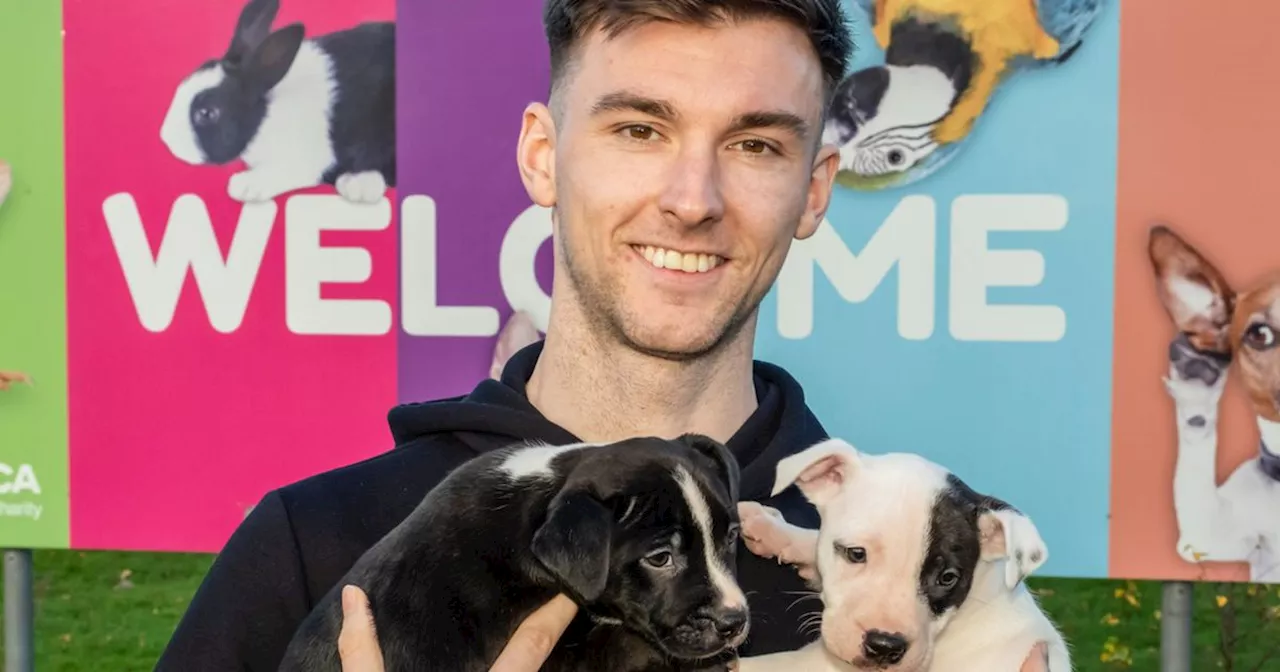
(301, 539)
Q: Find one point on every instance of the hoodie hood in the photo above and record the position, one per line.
(497, 413)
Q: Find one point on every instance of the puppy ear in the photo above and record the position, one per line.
(517, 333)
(729, 468)
(573, 542)
(1008, 534)
(819, 471)
(1194, 294)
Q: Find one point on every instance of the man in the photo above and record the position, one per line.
(680, 152)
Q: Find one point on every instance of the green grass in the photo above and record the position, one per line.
(115, 611)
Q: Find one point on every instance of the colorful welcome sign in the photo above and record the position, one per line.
(981, 293)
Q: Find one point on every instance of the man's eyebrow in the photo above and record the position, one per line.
(626, 101)
(784, 121)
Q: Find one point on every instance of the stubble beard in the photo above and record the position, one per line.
(599, 306)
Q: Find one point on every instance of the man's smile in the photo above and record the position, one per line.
(676, 260)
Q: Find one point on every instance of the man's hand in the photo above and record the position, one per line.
(527, 649)
(358, 643)
(532, 642)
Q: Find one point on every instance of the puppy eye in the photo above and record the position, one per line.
(1260, 336)
(855, 554)
(658, 560)
(732, 536)
(949, 578)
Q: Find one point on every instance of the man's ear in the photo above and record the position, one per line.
(1008, 534)
(573, 542)
(536, 154)
(1194, 294)
(730, 471)
(820, 471)
(821, 183)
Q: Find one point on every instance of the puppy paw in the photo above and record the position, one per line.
(365, 187)
(1197, 367)
(767, 534)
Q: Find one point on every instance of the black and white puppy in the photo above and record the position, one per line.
(640, 534)
(916, 570)
(299, 112)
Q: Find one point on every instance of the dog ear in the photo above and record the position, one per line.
(819, 471)
(574, 542)
(1008, 534)
(730, 470)
(1194, 294)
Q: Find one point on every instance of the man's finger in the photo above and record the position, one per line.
(536, 636)
(357, 642)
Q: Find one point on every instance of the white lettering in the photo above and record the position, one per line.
(906, 238)
(974, 267)
(308, 265)
(421, 313)
(516, 264)
(24, 480)
(189, 242)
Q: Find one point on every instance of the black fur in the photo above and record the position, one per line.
(450, 584)
(954, 544)
(362, 126)
(363, 130)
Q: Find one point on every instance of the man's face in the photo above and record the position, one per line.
(681, 166)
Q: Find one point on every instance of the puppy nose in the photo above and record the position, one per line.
(882, 647)
(728, 623)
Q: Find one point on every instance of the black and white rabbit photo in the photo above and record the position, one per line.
(298, 112)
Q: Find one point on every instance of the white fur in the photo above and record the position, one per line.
(1196, 297)
(176, 131)
(365, 187)
(731, 596)
(1234, 522)
(534, 461)
(917, 97)
(883, 502)
(291, 148)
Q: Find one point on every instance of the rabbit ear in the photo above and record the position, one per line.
(270, 62)
(252, 28)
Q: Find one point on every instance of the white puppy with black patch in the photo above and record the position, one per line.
(916, 570)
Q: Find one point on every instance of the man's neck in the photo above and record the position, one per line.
(607, 392)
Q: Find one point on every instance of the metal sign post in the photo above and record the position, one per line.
(19, 612)
(1175, 627)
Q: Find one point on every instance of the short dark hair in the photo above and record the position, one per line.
(568, 21)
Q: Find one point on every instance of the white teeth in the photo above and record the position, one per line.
(689, 262)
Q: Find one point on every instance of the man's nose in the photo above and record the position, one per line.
(693, 194)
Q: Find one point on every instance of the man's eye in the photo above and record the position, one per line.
(755, 146)
(639, 132)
